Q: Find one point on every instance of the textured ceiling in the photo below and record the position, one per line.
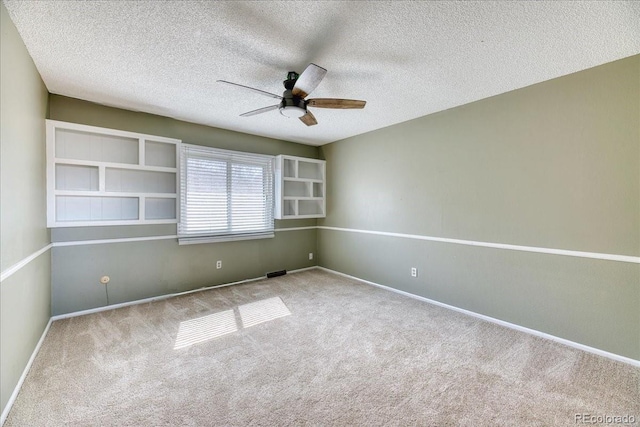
(406, 59)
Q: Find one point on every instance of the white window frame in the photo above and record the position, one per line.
(187, 236)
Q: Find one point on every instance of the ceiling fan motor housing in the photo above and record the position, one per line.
(292, 106)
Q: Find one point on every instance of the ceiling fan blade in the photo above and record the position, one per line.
(336, 103)
(260, 110)
(308, 80)
(309, 119)
(262, 92)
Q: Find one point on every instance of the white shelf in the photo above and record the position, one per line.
(63, 161)
(302, 180)
(98, 176)
(113, 194)
(300, 188)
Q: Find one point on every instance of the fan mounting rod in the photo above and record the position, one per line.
(297, 88)
(292, 77)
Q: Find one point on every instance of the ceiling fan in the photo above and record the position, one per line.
(297, 88)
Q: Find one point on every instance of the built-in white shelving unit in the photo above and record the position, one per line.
(300, 188)
(99, 176)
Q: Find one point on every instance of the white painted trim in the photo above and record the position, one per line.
(16, 390)
(76, 224)
(226, 238)
(110, 131)
(163, 297)
(142, 207)
(592, 255)
(148, 238)
(151, 299)
(51, 174)
(311, 227)
(104, 165)
(613, 356)
(101, 193)
(608, 257)
(104, 241)
(52, 194)
(300, 270)
(142, 148)
(102, 182)
(17, 266)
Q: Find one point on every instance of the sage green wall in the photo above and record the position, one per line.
(145, 269)
(25, 295)
(554, 165)
(151, 268)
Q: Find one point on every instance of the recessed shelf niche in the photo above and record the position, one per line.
(99, 176)
(300, 188)
(76, 177)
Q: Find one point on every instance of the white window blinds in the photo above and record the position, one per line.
(225, 195)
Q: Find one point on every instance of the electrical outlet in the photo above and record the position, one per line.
(218, 265)
(414, 272)
(310, 255)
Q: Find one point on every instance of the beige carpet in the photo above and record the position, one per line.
(310, 348)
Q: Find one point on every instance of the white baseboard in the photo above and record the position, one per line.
(534, 332)
(161, 297)
(147, 300)
(299, 270)
(16, 390)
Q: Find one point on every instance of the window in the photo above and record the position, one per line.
(225, 195)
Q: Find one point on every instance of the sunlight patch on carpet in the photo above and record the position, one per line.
(215, 325)
(204, 328)
(258, 312)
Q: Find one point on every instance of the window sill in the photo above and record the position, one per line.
(183, 240)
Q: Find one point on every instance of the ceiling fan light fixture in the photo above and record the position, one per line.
(296, 88)
(292, 111)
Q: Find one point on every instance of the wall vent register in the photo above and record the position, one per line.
(99, 176)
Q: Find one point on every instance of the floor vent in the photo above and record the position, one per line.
(276, 273)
